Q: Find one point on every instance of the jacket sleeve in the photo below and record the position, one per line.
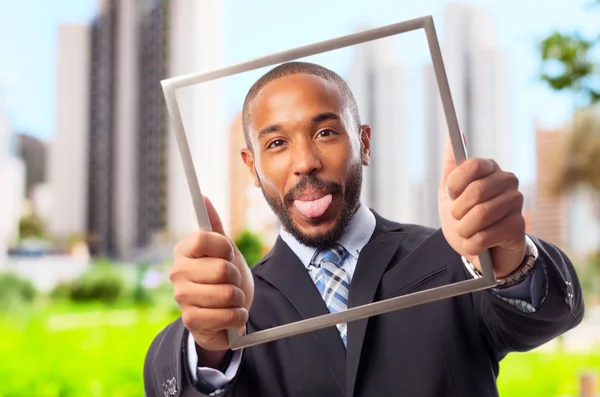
(509, 329)
(166, 369)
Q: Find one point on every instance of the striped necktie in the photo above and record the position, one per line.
(333, 281)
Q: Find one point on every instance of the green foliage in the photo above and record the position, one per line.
(251, 246)
(47, 357)
(102, 283)
(15, 291)
(567, 65)
(31, 227)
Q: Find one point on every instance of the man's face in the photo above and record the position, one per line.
(307, 156)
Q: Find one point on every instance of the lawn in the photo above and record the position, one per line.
(94, 353)
(88, 351)
(537, 374)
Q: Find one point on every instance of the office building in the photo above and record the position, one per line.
(569, 220)
(194, 45)
(377, 79)
(550, 213)
(68, 151)
(137, 191)
(478, 74)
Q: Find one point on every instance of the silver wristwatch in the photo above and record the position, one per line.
(524, 269)
(519, 274)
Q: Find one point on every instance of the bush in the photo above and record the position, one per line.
(61, 291)
(31, 227)
(251, 247)
(101, 283)
(15, 290)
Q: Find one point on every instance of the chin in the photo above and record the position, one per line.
(318, 232)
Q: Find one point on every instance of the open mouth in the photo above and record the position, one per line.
(313, 205)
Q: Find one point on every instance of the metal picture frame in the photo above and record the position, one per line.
(171, 85)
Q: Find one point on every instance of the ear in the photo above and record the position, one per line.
(365, 144)
(248, 158)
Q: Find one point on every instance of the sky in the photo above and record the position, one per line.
(255, 28)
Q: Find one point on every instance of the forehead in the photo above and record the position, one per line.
(294, 97)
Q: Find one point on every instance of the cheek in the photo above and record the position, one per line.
(271, 170)
(345, 157)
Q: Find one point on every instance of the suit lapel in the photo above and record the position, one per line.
(372, 262)
(290, 277)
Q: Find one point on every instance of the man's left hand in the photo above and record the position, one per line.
(480, 208)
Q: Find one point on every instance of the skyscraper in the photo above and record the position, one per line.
(194, 45)
(377, 80)
(69, 150)
(478, 75)
(100, 228)
(137, 188)
(151, 151)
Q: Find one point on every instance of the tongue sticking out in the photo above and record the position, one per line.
(313, 208)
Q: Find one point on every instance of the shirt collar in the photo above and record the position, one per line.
(354, 239)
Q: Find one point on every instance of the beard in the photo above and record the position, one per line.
(350, 203)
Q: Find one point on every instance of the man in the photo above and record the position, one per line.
(305, 149)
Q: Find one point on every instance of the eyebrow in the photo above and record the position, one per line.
(319, 118)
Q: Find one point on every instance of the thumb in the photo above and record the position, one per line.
(213, 217)
(449, 161)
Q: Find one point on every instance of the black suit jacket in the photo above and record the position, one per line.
(445, 348)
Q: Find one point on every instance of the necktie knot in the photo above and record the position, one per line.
(335, 255)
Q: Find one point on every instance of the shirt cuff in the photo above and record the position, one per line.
(528, 295)
(212, 376)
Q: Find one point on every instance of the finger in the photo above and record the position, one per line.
(205, 271)
(215, 220)
(202, 243)
(483, 190)
(486, 214)
(468, 172)
(219, 296)
(212, 320)
(503, 232)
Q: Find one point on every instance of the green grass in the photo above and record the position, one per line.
(100, 352)
(537, 374)
(100, 359)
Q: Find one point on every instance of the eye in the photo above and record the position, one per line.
(275, 143)
(326, 133)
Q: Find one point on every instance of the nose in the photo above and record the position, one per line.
(306, 160)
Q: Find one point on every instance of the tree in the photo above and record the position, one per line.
(568, 65)
(31, 226)
(251, 246)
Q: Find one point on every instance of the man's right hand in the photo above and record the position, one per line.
(213, 286)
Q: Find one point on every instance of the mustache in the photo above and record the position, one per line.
(311, 182)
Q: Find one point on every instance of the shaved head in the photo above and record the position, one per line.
(292, 68)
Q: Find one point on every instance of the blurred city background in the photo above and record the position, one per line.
(93, 195)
